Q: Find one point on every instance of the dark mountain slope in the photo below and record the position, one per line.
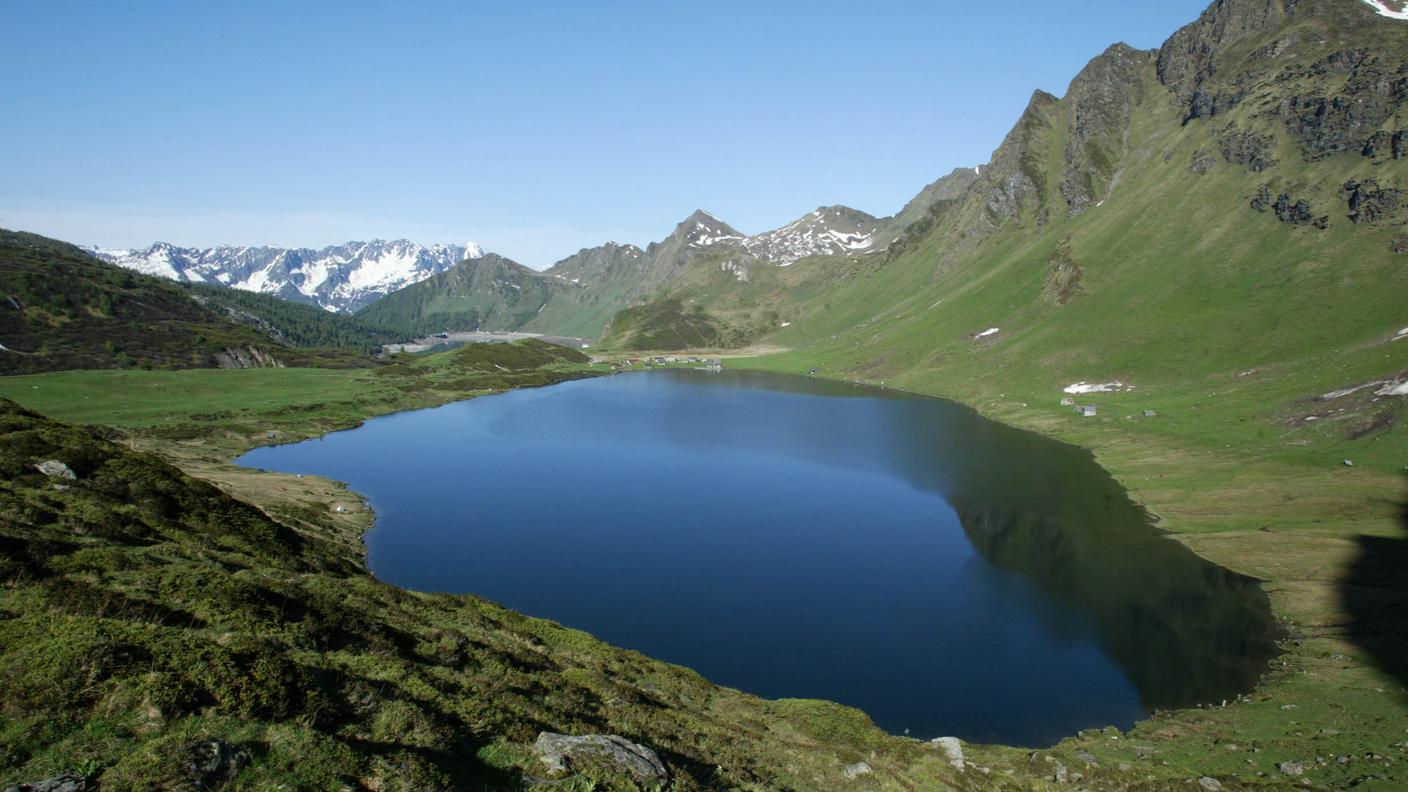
(292, 323)
(60, 308)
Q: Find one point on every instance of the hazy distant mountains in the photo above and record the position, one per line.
(580, 294)
(459, 287)
(340, 278)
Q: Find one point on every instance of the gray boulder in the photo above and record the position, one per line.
(854, 771)
(53, 468)
(562, 753)
(63, 783)
(214, 763)
(952, 750)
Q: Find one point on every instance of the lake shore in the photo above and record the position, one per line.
(1326, 699)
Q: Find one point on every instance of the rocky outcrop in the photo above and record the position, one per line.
(1015, 181)
(63, 783)
(1386, 145)
(1298, 212)
(1290, 211)
(1102, 100)
(952, 749)
(1262, 200)
(1331, 100)
(1063, 280)
(1248, 149)
(1369, 203)
(561, 753)
(215, 763)
(1327, 120)
(53, 468)
(857, 770)
(1188, 60)
(245, 358)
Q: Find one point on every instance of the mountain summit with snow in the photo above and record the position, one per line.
(340, 278)
(830, 230)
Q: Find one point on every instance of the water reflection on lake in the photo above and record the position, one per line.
(801, 538)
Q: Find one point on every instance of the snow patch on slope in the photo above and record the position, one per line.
(1393, 9)
(1097, 387)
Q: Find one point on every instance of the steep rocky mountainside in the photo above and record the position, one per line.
(60, 308)
(1264, 129)
(339, 278)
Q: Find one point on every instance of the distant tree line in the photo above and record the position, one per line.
(295, 324)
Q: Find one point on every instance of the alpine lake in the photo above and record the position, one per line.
(802, 538)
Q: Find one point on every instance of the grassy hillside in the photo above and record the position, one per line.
(1264, 339)
(290, 323)
(666, 323)
(63, 309)
(488, 293)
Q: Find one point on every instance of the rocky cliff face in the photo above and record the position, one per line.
(1329, 76)
(1330, 71)
(1102, 99)
(1189, 59)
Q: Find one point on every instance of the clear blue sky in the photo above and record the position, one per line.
(534, 128)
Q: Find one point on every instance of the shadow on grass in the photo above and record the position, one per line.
(1375, 595)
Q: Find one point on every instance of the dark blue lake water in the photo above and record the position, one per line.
(798, 538)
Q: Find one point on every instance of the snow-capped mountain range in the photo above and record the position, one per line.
(340, 278)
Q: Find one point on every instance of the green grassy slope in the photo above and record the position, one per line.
(63, 309)
(489, 293)
(238, 406)
(665, 323)
(1215, 313)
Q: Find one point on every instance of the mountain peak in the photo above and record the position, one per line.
(828, 230)
(702, 229)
